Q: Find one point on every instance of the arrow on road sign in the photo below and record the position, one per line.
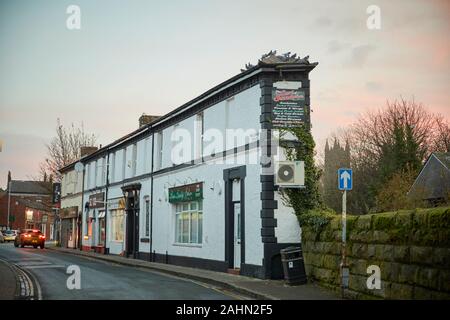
(345, 176)
(345, 179)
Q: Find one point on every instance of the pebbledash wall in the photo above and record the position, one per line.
(411, 247)
(135, 174)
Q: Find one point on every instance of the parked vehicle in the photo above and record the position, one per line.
(2, 239)
(30, 237)
(9, 235)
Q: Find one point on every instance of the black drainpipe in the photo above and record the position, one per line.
(80, 232)
(105, 251)
(152, 257)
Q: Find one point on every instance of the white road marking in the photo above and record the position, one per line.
(32, 263)
(43, 266)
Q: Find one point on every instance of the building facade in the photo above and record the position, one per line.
(70, 211)
(71, 203)
(196, 187)
(26, 204)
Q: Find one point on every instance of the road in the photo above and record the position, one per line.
(101, 280)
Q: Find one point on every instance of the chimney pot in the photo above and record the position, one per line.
(84, 151)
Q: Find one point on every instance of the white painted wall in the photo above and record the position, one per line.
(240, 112)
(213, 246)
(71, 183)
(288, 228)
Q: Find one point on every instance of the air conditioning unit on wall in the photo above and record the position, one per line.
(290, 174)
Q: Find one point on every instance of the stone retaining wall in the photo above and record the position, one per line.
(412, 249)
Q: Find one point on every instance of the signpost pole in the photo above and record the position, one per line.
(344, 267)
(344, 183)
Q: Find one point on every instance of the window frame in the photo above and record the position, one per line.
(180, 222)
(115, 213)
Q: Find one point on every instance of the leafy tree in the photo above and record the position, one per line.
(393, 194)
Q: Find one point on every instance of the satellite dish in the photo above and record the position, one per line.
(79, 167)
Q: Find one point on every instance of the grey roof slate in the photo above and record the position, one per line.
(31, 187)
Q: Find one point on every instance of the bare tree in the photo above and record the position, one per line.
(441, 131)
(64, 149)
(374, 130)
(374, 134)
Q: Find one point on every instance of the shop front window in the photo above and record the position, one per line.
(101, 229)
(90, 228)
(117, 218)
(189, 222)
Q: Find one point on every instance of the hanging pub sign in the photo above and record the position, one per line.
(289, 108)
(56, 193)
(190, 192)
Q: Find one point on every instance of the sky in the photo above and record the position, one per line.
(133, 57)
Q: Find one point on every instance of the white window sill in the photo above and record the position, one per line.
(190, 245)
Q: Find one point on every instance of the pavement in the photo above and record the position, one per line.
(250, 287)
(7, 281)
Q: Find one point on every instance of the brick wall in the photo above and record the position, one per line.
(17, 210)
(412, 249)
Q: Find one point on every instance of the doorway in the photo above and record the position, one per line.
(131, 226)
(235, 217)
(131, 193)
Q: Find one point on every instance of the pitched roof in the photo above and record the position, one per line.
(31, 187)
(443, 157)
(433, 181)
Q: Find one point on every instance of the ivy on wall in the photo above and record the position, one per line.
(306, 202)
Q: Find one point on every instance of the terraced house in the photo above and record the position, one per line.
(196, 187)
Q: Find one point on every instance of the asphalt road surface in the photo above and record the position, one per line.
(101, 280)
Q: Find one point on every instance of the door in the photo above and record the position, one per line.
(101, 231)
(69, 234)
(130, 226)
(237, 235)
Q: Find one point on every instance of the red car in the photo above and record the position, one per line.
(30, 237)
